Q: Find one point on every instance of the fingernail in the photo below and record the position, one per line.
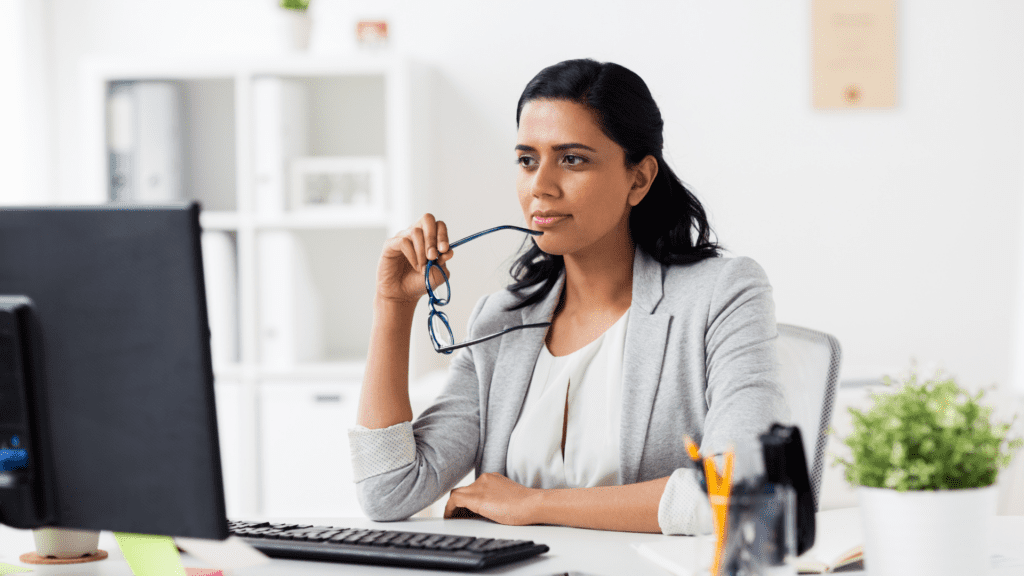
(432, 253)
(443, 246)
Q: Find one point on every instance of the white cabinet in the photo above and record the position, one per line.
(272, 148)
(304, 448)
(229, 400)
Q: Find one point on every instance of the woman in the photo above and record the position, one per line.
(652, 336)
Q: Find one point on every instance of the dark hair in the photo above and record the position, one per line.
(669, 223)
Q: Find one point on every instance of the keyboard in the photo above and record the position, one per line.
(385, 547)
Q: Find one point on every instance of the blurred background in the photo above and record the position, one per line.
(311, 136)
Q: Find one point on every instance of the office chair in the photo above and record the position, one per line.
(809, 371)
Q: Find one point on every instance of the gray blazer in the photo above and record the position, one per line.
(699, 360)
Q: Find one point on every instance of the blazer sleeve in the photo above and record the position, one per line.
(404, 468)
(743, 393)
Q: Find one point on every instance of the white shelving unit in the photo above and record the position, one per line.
(282, 422)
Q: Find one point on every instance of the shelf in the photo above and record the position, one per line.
(328, 219)
(219, 220)
(293, 286)
(272, 65)
(312, 220)
(340, 370)
(293, 66)
(227, 371)
(329, 370)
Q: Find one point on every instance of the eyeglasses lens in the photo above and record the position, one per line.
(442, 292)
(440, 330)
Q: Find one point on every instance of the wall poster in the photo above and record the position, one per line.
(854, 54)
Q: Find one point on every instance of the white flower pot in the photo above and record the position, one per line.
(928, 532)
(297, 27)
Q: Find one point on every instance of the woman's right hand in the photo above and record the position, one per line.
(404, 258)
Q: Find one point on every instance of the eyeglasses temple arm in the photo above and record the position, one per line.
(449, 349)
(495, 229)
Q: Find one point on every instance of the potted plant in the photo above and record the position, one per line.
(925, 458)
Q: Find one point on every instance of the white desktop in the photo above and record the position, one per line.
(594, 552)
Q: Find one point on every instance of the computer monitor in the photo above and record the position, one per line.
(119, 306)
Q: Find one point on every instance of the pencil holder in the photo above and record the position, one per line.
(760, 536)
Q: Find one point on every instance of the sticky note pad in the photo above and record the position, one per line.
(203, 572)
(12, 569)
(150, 555)
(227, 554)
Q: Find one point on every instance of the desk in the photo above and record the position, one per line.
(597, 552)
(840, 530)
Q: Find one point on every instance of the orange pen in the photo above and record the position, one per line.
(694, 452)
(691, 449)
(719, 488)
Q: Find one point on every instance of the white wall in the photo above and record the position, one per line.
(896, 230)
(26, 141)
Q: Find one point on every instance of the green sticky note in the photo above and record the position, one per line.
(12, 569)
(149, 555)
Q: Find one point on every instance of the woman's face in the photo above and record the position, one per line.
(573, 182)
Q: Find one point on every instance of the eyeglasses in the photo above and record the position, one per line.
(437, 322)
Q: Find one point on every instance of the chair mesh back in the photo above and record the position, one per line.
(809, 371)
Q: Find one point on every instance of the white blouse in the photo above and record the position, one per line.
(591, 379)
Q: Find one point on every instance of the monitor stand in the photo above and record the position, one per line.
(64, 546)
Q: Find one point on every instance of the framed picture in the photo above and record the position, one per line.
(342, 183)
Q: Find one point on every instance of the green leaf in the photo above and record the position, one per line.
(927, 435)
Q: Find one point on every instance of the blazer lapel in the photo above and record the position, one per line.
(646, 336)
(513, 370)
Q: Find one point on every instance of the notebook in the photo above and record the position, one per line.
(851, 560)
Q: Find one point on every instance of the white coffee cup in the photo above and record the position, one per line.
(65, 542)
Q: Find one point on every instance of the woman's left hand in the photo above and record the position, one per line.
(495, 497)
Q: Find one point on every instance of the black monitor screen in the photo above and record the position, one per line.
(119, 297)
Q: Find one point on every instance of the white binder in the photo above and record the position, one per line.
(144, 138)
(220, 274)
(290, 309)
(280, 133)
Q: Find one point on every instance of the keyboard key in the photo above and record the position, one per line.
(248, 524)
(446, 543)
(401, 539)
(479, 543)
(342, 535)
(501, 544)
